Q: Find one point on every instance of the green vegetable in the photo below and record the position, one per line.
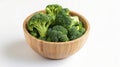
(57, 34)
(63, 18)
(74, 20)
(81, 27)
(56, 25)
(74, 33)
(53, 10)
(76, 28)
(60, 28)
(34, 32)
(40, 22)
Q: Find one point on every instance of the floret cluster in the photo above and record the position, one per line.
(55, 25)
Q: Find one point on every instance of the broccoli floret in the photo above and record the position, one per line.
(76, 29)
(77, 23)
(74, 20)
(34, 33)
(53, 10)
(63, 38)
(80, 27)
(53, 35)
(50, 34)
(57, 25)
(82, 30)
(40, 22)
(74, 33)
(65, 10)
(62, 18)
(57, 34)
(60, 28)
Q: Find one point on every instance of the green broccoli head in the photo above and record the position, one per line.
(57, 25)
(34, 33)
(74, 20)
(60, 15)
(53, 9)
(74, 33)
(80, 27)
(57, 34)
(63, 38)
(65, 10)
(76, 29)
(52, 35)
(40, 22)
(60, 28)
(62, 18)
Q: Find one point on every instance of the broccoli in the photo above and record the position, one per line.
(65, 10)
(74, 21)
(81, 27)
(60, 28)
(53, 10)
(34, 33)
(56, 25)
(57, 34)
(76, 29)
(40, 22)
(62, 18)
(74, 33)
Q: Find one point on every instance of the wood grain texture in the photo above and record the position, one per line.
(56, 50)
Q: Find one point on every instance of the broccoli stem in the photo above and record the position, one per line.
(42, 30)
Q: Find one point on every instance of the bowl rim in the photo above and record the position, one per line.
(52, 43)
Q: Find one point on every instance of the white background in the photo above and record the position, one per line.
(102, 48)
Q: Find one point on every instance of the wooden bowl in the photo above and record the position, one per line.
(56, 50)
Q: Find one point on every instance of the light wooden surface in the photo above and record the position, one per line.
(56, 50)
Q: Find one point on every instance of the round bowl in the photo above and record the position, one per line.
(56, 50)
